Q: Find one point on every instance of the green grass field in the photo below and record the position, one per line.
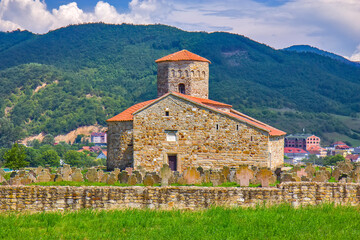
(280, 222)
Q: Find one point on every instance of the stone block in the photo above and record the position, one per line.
(58, 178)
(112, 179)
(92, 175)
(38, 170)
(77, 175)
(132, 180)
(104, 178)
(123, 177)
(243, 175)
(165, 174)
(310, 170)
(43, 176)
(148, 180)
(265, 177)
(192, 176)
(129, 170)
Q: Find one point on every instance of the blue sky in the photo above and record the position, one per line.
(331, 25)
(88, 5)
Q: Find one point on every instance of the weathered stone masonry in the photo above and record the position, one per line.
(184, 128)
(39, 198)
(204, 138)
(120, 144)
(194, 75)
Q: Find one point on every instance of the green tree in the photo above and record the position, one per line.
(34, 143)
(332, 160)
(2, 153)
(50, 157)
(78, 138)
(62, 148)
(33, 156)
(73, 158)
(314, 159)
(48, 139)
(15, 157)
(9, 133)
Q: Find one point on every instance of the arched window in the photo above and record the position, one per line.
(182, 88)
(186, 73)
(203, 74)
(173, 73)
(180, 73)
(192, 74)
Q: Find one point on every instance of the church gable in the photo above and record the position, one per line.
(196, 135)
(220, 108)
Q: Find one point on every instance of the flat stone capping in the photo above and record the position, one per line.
(52, 198)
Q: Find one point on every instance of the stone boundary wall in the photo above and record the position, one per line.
(51, 198)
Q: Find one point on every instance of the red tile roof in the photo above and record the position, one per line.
(352, 157)
(342, 147)
(338, 143)
(294, 150)
(127, 115)
(314, 152)
(314, 148)
(272, 131)
(203, 100)
(98, 134)
(183, 55)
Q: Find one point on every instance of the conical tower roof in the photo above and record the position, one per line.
(183, 55)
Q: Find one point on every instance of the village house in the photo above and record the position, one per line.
(99, 138)
(353, 157)
(183, 128)
(295, 154)
(339, 148)
(102, 155)
(303, 141)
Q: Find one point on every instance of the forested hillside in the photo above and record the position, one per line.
(81, 75)
(307, 48)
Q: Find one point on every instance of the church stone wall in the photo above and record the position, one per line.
(120, 145)
(194, 75)
(276, 145)
(204, 138)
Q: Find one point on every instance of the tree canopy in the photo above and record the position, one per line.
(15, 157)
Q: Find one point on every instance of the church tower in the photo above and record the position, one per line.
(183, 72)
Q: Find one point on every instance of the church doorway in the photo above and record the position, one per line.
(173, 162)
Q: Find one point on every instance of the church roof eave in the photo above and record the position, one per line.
(233, 116)
(183, 55)
(127, 115)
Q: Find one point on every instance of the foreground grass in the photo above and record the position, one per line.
(280, 222)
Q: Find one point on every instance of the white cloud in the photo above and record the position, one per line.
(356, 55)
(32, 15)
(328, 24)
(24, 14)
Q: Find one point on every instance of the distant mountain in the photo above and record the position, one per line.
(81, 75)
(307, 48)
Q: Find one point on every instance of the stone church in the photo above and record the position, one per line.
(183, 127)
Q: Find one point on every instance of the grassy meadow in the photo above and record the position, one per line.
(278, 222)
